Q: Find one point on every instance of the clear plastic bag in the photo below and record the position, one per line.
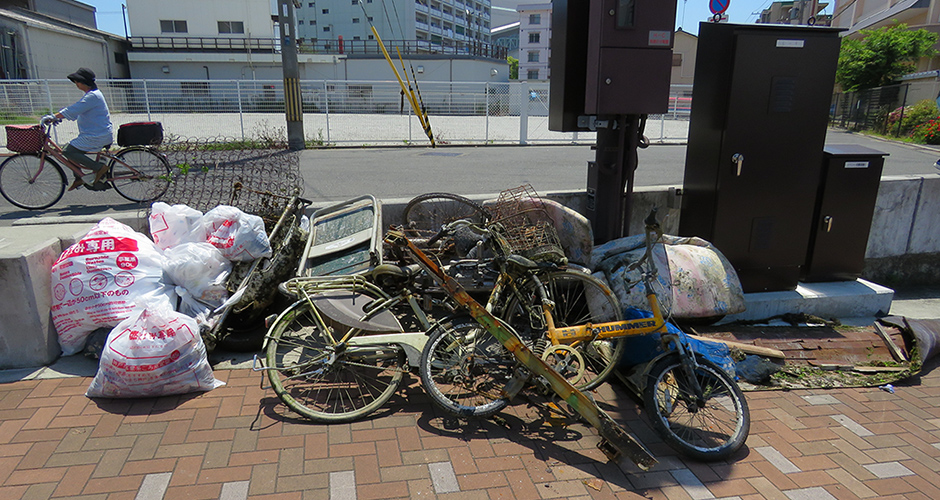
(239, 236)
(173, 225)
(201, 269)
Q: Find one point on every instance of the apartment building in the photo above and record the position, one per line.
(535, 35)
(226, 39)
(447, 25)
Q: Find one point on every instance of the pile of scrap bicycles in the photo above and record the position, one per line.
(482, 302)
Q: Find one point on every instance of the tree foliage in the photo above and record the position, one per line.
(881, 55)
(513, 68)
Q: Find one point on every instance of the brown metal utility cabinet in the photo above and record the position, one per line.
(760, 109)
(851, 175)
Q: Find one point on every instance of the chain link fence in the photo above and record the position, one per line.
(338, 113)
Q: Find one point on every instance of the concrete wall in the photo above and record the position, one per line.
(904, 247)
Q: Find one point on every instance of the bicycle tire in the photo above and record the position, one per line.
(579, 298)
(43, 192)
(320, 383)
(151, 180)
(704, 431)
(464, 368)
(425, 214)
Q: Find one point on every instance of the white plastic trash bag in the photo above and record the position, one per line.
(173, 225)
(201, 269)
(96, 281)
(239, 236)
(155, 352)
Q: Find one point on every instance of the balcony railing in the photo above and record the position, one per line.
(204, 44)
(318, 46)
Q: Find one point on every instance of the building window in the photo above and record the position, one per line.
(325, 11)
(120, 58)
(533, 74)
(534, 37)
(326, 29)
(173, 27)
(676, 59)
(371, 37)
(300, 22)
(535, 18)
(355, 20)
(231, 27)
(311, 5)
(356, 38)
(369, 18)
(355, 2)
(534, 56)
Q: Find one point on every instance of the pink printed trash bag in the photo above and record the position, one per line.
(155, 352)
(96, 281)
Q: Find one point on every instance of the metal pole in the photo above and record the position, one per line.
(486, 88)
(241, 114)
(326, 107)
(293, 107)
(147, 99)
(523, 112)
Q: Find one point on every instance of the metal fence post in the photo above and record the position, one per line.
(241, 114)
(486, 134)
(523, 112)
(326, 107)
(147, 99)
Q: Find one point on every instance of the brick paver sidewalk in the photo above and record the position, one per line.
(239, 442)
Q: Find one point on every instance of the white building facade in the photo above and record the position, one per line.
(535, 35)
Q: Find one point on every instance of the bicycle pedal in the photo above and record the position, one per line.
(99, 186)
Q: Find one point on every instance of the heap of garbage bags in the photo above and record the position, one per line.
(153, 295)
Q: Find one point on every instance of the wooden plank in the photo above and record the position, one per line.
(896, 351)
(746, 348)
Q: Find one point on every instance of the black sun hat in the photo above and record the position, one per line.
(83, 75)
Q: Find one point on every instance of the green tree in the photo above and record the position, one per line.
(513, 68)
(881, 55)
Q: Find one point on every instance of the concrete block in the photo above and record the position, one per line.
(925, 231)
(839, 299)
(27, 336)
(894, 216)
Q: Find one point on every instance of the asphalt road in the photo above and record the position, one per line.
(342, 173)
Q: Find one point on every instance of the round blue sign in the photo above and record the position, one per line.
(718, 6)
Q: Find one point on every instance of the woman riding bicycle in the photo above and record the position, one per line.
(94, 130)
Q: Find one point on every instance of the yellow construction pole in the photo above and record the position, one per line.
(414, 105)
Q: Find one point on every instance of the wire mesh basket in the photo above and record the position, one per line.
(524, 226)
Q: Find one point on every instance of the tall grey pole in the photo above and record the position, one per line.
(293, 106)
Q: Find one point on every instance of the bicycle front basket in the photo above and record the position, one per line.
(25, 138)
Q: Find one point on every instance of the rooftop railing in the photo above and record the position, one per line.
(471, 48)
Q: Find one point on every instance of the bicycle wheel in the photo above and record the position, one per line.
(464, 368)
(710, 427)
(148, 180)
(425, 214)
(579, 298)
(23, 184)
(323, 381)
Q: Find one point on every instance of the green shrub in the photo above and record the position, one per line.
(915, 115)
(927, 133)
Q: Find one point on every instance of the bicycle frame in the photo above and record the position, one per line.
(50, 148)
(412, 342)
(615, 441)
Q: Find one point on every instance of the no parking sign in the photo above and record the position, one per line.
(718, 6)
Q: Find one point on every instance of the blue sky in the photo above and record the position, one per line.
(688, 13)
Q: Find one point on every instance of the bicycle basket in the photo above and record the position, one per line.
(524, 226)
(25, 138)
